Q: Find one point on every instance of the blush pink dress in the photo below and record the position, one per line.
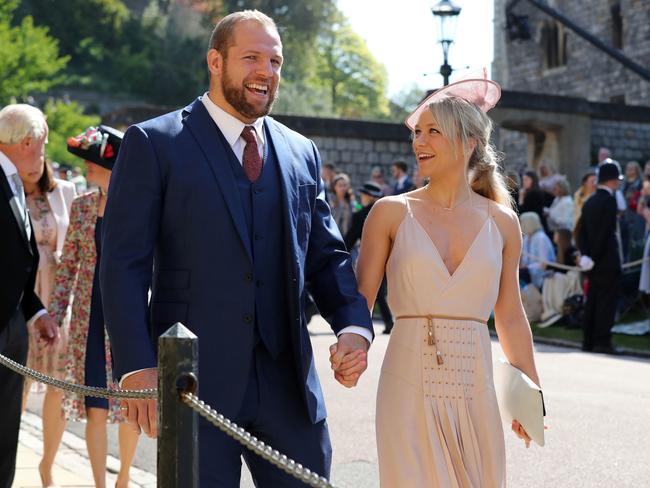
(438, 422)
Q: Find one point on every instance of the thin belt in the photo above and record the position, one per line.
(431, 340)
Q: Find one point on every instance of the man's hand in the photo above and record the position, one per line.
(349, 358)
(47, 329)
(141, 414)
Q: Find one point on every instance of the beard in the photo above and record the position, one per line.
(236, 97)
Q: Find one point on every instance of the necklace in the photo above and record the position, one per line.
(453, 206)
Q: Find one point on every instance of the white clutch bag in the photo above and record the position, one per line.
(520, 399)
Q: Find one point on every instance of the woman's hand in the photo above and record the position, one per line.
(521, 433)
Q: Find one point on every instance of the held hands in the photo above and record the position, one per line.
(47, 329)
(348, 358)
(142, 415)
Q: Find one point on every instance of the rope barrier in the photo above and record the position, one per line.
(230, 428)
(249, 441)
(578, 268)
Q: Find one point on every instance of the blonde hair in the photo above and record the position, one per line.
(222, 35)
(18, 121)
(462, 121)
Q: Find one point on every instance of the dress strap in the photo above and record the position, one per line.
(408, 205)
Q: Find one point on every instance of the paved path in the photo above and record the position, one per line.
(599, 418)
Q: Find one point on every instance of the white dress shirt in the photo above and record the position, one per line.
(9, 170)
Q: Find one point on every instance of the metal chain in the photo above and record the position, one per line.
(252, 443)
(93, 391)
(249, 441)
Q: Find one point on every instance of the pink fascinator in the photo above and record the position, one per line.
(475, 88)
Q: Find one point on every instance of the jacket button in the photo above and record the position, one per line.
(248, 318)
(248, 277)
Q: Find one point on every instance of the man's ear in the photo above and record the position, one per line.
(215, 62)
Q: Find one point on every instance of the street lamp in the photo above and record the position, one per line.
(448, 13)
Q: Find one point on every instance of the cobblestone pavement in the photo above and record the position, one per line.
(598, 414)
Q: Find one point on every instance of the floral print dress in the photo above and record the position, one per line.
(47, 360)
(73, 287)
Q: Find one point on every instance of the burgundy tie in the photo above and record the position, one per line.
(251, 160)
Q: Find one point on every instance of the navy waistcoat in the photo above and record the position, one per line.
(262, 205)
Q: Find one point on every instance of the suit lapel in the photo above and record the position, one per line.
(287, 179)
(205, 131)
(12, 200)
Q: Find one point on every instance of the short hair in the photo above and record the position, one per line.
(329, 166)
(563, 186)
(377, 168)
(401, 165)
(222, 34)
(18, 121)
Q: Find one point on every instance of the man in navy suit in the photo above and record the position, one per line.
(403, 183)
(220, 210)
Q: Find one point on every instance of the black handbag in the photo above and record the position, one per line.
(573, 311)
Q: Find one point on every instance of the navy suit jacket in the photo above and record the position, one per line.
(174, 222)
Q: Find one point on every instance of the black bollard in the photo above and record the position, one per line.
(178, 453)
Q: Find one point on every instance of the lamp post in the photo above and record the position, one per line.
(448, 14)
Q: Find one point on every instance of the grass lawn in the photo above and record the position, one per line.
(558, 331)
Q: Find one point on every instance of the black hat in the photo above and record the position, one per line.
(98, 145)
(609, 170)
(372, 189)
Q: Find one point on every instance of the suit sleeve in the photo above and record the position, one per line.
(30, 303)
(328, 269)
(131, 223)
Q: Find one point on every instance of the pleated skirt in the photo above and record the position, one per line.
(438, 425)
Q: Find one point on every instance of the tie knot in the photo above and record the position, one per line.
(248, 134)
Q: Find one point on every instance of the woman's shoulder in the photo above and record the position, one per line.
(390, 209)
(85, 201)
(506, 219)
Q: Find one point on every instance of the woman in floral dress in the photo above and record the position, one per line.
(77, 283)
(49, 200)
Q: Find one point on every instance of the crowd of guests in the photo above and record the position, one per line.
(56, 247)
(557, 230)
(350, 206)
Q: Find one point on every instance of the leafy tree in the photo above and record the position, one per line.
(299, 23)
(65, 119)
(356, 82)
(29, 57)
(404, 102)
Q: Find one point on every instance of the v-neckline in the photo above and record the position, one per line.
(437, 252)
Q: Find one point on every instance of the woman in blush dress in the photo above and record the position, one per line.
(77, 284)
(451, 253)
(49, 200)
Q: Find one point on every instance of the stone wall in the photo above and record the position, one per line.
(626, 140)
(589, 72)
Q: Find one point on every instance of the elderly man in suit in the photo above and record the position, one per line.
(221, 210)
(23, 134)
(597, 239)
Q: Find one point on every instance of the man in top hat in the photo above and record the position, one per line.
(597, 239)
(370, 192)
(23, 134)
(221, 210)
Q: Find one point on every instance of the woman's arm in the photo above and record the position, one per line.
(376, 242)
(511, 323)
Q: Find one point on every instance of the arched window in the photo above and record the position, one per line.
(617, 26)
(553, 41)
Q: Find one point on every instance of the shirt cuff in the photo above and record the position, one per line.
(126, 375)
(355, 329)
(35, 317)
